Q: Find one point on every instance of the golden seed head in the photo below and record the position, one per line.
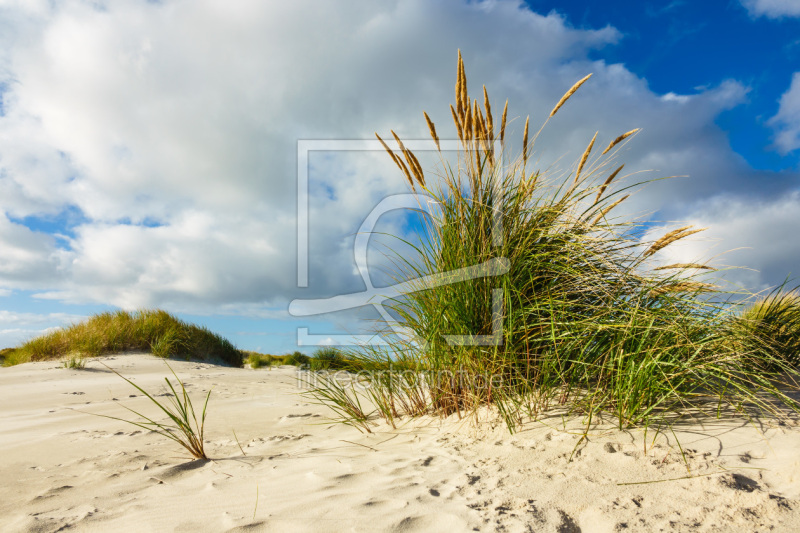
(416, 167)
(480, 124)
(683, 286)
(503, 122)
(432, 130)
(618, 140)
(468, 123)
(685, 266)
(569, 93)
(605, 211)
(671, 237)
(584, 157)
(489, 121)
(525, 141)
(399, 142)
(606, 183)
(399, 161)
(386, 147)
(457, 121)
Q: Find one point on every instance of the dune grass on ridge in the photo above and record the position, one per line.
(155, 331)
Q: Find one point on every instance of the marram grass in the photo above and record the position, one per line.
(181, 424)
(588, 321)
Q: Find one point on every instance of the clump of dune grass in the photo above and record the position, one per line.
(182, 427)
(75, 361)
(768, 329)
(335, 358)
(259, 360)
(297, 359)
(148, 330)
(348, 406)
(577, 316)
(327, 358)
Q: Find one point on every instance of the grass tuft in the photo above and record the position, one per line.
(182, 427)
(75, 361)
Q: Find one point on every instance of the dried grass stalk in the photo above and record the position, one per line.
(671, 237)
(608, 209)
(607, 183)
(464, 95)
(525, 142)
(503, 122)
(419, 173)
(618, 140)
(397, 161)
(685, 266)
(569, 93)
(432, 130)
(459, 103)
(489, 121)
(584, 157)
(480, 126)
(683, 286)
(468, 124)
(413, 163)
(389, 150)
(457, 121)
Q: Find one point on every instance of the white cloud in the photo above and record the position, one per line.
(772, 8)
(760, 235)
(186, 115)
(787, 120)
(17, 327)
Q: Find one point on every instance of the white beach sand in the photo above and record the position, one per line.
(63, 469)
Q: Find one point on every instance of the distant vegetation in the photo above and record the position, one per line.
(154, 331)
(259, 360)
(160, 333)
(324, 358)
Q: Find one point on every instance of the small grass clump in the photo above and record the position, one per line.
(259, 360)
(147, 330)
(330, 358)
(75, 361)
(297, 359)
(183, 426)
(4, 353)
(570, 309)
(769, 328)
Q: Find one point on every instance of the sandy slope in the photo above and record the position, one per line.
(61, 468)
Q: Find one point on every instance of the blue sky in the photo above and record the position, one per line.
(148, 150)
(679, 46)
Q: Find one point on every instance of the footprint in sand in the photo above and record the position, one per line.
(304, 416)
(53, 492)
(280, 438)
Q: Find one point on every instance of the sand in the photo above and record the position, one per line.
(63, 469)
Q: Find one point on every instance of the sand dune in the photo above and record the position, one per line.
(62, 468)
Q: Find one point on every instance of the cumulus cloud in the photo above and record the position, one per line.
(172, 128)
(759, 235)
(787, 120)
(17, 327)
(772, 8)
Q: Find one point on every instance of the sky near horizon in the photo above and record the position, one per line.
(148, 149)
